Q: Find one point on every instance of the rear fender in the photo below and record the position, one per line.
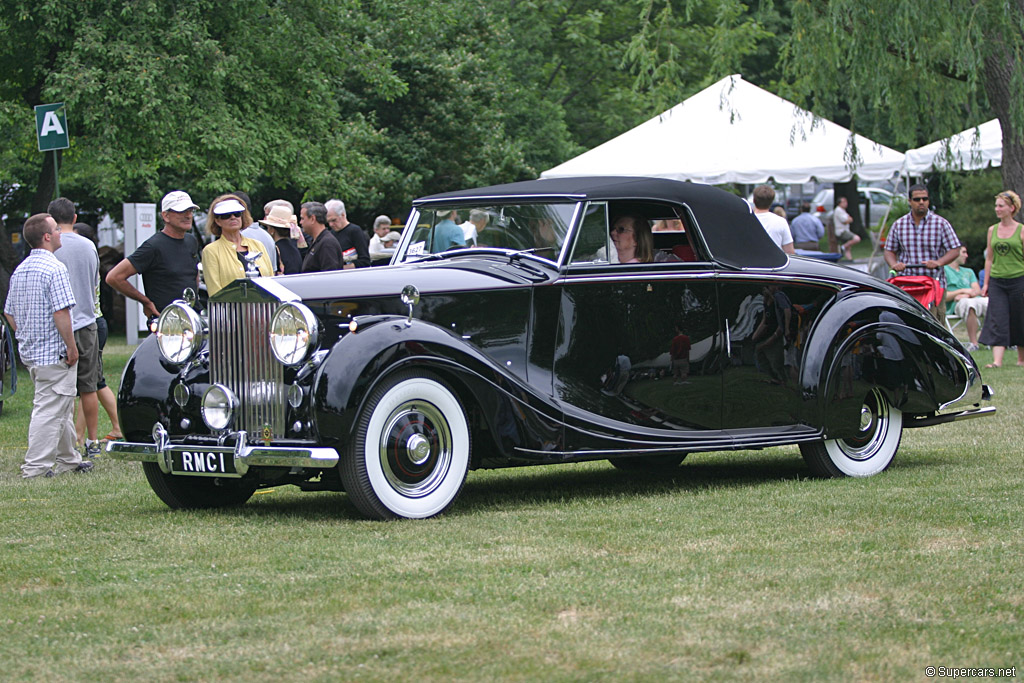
(879, 342)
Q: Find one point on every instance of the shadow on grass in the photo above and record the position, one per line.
(502, 490)
(511, 488)
(552, 484)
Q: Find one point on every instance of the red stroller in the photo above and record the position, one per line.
(926, 290)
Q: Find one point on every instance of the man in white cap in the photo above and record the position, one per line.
(167, 260)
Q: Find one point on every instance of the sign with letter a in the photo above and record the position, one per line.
(51, 126)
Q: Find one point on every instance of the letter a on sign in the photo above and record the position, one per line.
(51, 124)
(51, 127)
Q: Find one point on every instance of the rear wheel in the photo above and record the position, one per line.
(869, 452)
(410, 455)
(648, 463)
(194, 493)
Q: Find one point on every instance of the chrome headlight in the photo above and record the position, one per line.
(179, 333)
(293, 333)
(219, 406)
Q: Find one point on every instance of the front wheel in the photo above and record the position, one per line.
(195, 493)
(867, 453)
(410, 454)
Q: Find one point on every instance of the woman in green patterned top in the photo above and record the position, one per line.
(1004, 282)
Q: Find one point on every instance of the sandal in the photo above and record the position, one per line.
(113, 437)
(993, 365)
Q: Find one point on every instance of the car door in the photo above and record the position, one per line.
(639, 346)
(768, 319)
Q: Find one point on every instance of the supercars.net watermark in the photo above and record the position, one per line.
(969, 672)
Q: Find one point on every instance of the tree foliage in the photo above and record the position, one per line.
(906, 72)
(374, 101)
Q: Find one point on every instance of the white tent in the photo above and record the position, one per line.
(969, 150)
(735, 132)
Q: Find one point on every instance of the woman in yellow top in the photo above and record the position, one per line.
(1004, 282)
(232, 255)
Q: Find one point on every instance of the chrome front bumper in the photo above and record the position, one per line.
(220, 461)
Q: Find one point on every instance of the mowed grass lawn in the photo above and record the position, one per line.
(739, 566)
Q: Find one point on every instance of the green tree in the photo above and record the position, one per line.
(906, 72)
(184, 94)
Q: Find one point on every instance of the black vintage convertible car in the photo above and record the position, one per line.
(8, 363)
(535, 345)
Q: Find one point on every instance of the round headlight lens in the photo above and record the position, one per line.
(293, 333)
(179, 333)
(219, 406)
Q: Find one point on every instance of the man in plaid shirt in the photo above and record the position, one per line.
(38, 308)
(922, 242)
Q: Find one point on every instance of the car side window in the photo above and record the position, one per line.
(592, 244)
(656, 234)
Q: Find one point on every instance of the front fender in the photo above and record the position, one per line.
(514, 413)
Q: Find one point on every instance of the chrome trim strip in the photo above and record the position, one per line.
(249, 456)
(575, 278)
(276, 289)
(930, 420)
(971, 394)
(751, 274)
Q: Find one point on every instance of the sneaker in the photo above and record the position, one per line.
(92, 449)
(84, 466)
(971, 346)
(50, 474)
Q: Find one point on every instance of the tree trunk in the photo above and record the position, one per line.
(998, 74)
(47, 185)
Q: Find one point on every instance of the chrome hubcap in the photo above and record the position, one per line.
(874, 419)
(418, 448)
(415, 448)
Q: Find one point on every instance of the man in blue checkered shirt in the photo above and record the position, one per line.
(38, 308)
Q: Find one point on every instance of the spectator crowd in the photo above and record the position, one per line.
(53, 307)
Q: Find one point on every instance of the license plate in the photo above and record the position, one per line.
(209, 462)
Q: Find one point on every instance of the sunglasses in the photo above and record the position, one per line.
(621, 228)
(919, 199)
(233, 214)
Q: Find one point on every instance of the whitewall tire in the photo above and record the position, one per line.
(410, 456)
(869, 452)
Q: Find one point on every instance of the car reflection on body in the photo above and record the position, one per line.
(536, 347)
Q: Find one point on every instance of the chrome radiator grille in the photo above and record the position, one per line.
(241, 360)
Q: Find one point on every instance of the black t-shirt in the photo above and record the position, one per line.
(323, 254)
(353, 237)
(167, 266)
(291, 259)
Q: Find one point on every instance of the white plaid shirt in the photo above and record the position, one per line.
(40, 287)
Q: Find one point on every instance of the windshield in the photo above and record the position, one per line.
(540, 228)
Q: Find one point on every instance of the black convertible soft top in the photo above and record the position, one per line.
(732, 233)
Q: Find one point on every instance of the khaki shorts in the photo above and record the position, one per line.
(88, 359)
(978, 304)
(845, 236)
